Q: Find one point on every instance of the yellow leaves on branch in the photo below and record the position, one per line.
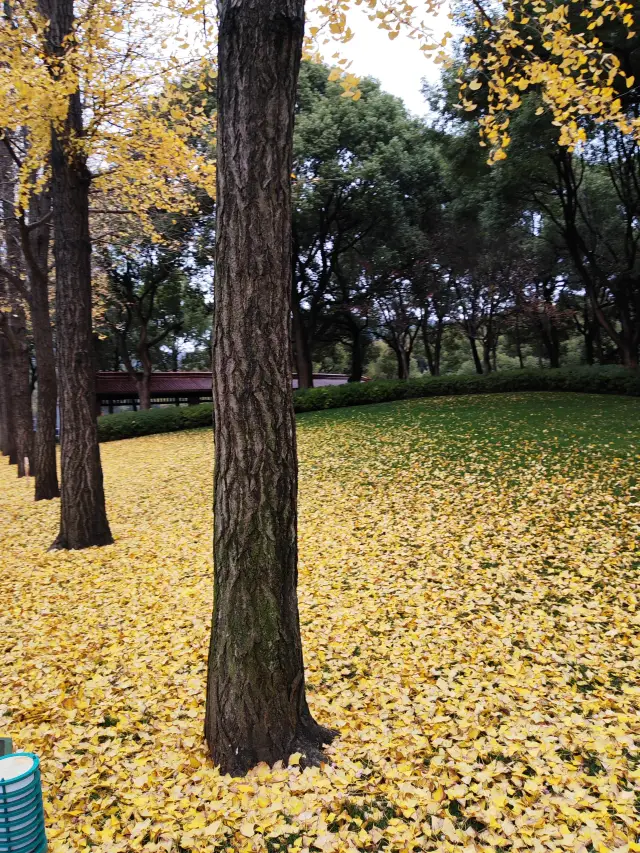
(391, 16)
(577, 77)
(469, 608)
(128, 63)
(573, 71)
(150, 160)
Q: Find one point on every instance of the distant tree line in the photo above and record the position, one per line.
(408, 248)
(403, 234)
(410, 253)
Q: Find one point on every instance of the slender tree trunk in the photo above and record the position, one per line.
(437, 348)
(144, 390)
(474, 352)
(554, 348)
(21, 389)
(6, 410)
(16, 323)
(403, 359)
(256, 705)
(83, 517)
(596, 337)
(143, 382)
(37, 256)
(486, 356)
(304, 365)
(429, 356)
(588, 347)
(518, 343)
(357, 355)
(431, 362)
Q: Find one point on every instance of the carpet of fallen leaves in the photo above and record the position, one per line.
(469, 600)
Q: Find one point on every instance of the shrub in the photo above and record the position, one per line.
(169, 419)
(587, 380)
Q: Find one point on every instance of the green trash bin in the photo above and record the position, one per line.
(21, 810)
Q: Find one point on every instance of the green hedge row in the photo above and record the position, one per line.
(169, 419)
(587, 380)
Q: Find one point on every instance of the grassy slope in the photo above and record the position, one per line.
(508, 429)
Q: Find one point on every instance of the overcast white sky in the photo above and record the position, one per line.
(399, 65)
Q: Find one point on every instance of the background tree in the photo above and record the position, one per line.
(157, 301)
(366, 174)
(83, 518)
(29, 229)
(14, 327)
(581, 169)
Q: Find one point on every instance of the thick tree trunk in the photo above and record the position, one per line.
(304, 365)
(629, 355)
(256, 705)
(551, 343)
(37, 256)
(83, 517)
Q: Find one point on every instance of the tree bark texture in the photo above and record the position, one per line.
(36, 250)
(83, 518)
(3, 399)
(256, 705)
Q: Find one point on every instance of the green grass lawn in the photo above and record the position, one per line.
(490, 435)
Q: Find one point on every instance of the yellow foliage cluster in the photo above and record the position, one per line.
(557, 48)
(391, 16)
(470, 625)
(130, 63)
